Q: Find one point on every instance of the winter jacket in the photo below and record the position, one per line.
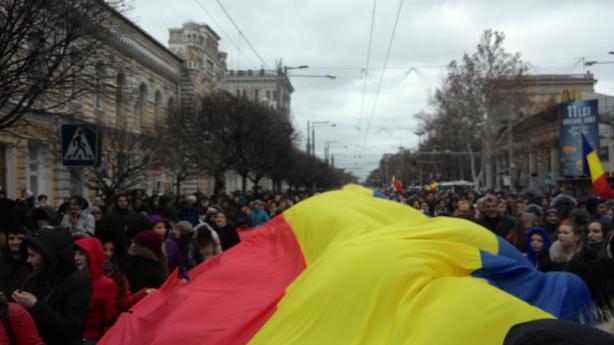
(558, 258)
(85, 223)
(144, 269)
(204, 231)
(104, 290)
(501, 226)
(13, 271)
(228, 236)
(188, 215)
(61, 312)
(6, 213)
(22, 326)
(173, 256)
(120, 221)
(600, 282)
(257, 218)
(537, 259)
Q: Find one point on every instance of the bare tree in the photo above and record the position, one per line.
(478, 94)
(49, 51)
(127, 161)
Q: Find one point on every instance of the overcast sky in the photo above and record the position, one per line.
(332, 38)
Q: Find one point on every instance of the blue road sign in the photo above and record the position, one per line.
(79, 144)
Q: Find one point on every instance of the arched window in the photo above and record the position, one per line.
(158, 120)
(120, 106)
(99, 87)
(170, 107)
(141, 105)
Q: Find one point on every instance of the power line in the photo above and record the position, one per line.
(228, 37)
(364, 84)
(242, 35)
(379, 86)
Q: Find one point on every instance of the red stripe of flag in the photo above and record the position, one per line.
(227, 300)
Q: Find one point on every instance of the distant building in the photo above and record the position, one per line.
(534, 140)
(198, 45)
(271, 87)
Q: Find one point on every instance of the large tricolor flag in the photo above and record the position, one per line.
(345, 267)
(601, 188)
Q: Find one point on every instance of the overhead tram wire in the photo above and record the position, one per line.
(228, 37)
(242, 35)
(379, 86)
(364, 84)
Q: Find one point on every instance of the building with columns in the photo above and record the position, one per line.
(528, 156)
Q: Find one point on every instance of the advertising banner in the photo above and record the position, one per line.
(579, 117)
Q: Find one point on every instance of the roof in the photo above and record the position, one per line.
(142, 32)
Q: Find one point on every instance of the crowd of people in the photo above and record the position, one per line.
(66, 273)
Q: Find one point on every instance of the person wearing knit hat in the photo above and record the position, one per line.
(146, 267)
(183, 234)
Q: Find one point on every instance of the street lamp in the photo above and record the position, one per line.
(590, 63)
(327, 76)
(314, 125)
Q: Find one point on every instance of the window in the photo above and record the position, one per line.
(141, 104)
(157, 105)
(256, 94)
(268, 95)
(120, 86)
(99, 88)
(170, 107)
(238, 93)
(244, 93)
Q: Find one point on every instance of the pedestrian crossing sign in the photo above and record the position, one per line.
(79, 144)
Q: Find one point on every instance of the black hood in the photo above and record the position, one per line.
(56, 246)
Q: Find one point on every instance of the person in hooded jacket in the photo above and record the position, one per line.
(537, 245)
(121, 218)
(57, 294)
(13, 267)
(89, 258)
(116, 255)
(184, 235)
(551, 220)
(146, 268)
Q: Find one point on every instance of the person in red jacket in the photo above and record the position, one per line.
(16, 325)
(89, 257)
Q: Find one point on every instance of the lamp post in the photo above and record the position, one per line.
(419, 133)
(314, 125)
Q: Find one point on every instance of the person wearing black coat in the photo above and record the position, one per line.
(146, 268)
(600, 278)
(491, 220)
(56, 294)
(121, 219)
(226, 232)
(13, 267)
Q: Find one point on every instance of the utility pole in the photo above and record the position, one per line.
(308, 137)
(510, 152)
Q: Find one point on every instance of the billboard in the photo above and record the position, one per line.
(576, 118)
